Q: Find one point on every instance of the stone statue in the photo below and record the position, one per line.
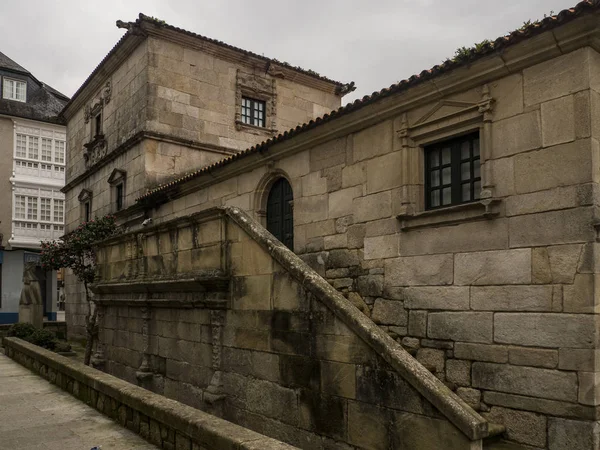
(31, 309)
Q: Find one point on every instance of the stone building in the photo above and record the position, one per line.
(441, 290)
(165, 101)
(32, 172)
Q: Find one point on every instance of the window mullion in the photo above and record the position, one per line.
(455, 175)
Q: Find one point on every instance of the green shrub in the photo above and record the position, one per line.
(62, 347)
(43, 338)
(21, 330)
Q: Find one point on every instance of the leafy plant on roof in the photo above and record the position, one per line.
(76, 251)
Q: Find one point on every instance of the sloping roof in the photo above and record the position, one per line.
(7, 63)
(466, 56)
(134, 27)
(45, 104)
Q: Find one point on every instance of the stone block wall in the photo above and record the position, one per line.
(276, 354)
(500, 304)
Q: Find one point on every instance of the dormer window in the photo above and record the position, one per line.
(14, 90)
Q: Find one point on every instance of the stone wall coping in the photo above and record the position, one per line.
(203, 428)
(447, 402)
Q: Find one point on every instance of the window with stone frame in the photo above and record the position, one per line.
(452, 172)
(117, 181)
(85, 205)
(256, 104)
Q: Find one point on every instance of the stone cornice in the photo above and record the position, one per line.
(136, 139)
(582, 32)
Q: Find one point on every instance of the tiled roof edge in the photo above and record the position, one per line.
(466, 57)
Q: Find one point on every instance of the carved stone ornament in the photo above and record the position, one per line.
(87, 113)
(95, 151)
(98, 102)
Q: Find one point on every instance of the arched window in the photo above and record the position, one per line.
(280, 216)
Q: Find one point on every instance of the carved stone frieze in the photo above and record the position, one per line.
(95, 151)
(101, 99)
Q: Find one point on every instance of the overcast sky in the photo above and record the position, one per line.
(372, 42)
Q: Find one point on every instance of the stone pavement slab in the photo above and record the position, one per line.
(36, 415)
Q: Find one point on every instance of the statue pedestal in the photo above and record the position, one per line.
(33, 314)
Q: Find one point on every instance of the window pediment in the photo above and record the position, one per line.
(84, 195)
(117, 176)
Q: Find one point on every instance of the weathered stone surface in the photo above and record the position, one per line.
(540, 405)
(432, 358)
(512, 298)
(420, 270)
(548, 200)
(458, 371)
(372, 207)
(367, 426)
(379, 247)
(340, 202)
(517, 134)
(412, 431)
(358, 301)
(384, 388)
(338, 379)
(373, 141)
(544, 383)
(541, 82)
(523, 427)
(479, 352)
(493, 267)
(342, 258)
(535, 357)
(272, 401)
(471, 396)
(379, 177)
(356, 238)
(554, 227)
(580, 296)
(335, 241)
(579, 359)
(551, 330)
(444, 298)
(417, 323)
(558, 124)
(460, 326)
(370, 285)
(311, 209)
(566, 434)
(476, 236)
(354, 174)
(389, 312)
(589, 388)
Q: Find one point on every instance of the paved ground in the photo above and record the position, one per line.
(36, 415)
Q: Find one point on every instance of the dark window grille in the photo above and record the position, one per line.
(119, 194)
(253, 112)
(452, 172)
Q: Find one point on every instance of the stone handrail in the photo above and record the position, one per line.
(158, 419)
(473, 425)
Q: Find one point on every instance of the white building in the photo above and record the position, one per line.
(32, 172)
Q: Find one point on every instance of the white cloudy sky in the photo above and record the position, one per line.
(372, 42)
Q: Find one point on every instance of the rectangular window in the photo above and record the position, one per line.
(46, 149)
(87, 211)
(32, 147)
(14, 90)
(59, 210)
(253, 112)
(21, 150)
(97, 124)
(59, 152)
(452, 172)
(32, 208)
(119, 194)
(19, 206)
(45, 209)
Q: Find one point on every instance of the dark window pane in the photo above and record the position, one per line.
(434, 158)
(435, 198)
(466, 192)
(476, 169)
(435, 178)
(465, 150)
(465, 171)
(447, 175)
(447, 196)
(476, 147)
(446, 154)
